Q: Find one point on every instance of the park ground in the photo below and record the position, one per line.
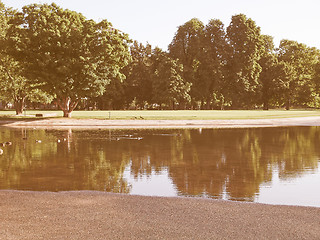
(163, 119)
(166, 114)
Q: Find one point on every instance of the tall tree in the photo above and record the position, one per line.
(245, 43)
(188, 48)
(300, 62)
(168, 85)
(69, 56)
(114, 96)
(316, 81)
(138, 83)
(3, 19)
(269, 80)
(14, 87)
(213, 61)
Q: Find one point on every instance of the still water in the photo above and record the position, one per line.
(268, 165)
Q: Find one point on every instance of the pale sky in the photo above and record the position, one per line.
(157, 21)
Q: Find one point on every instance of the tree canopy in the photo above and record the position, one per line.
(67, 55)
(52, 53)
(14, 86)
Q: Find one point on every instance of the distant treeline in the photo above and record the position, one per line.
(49, 54)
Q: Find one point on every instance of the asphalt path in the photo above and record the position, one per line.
(98, 215)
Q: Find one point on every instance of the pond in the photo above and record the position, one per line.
(266, 165)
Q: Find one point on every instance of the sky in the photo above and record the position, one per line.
(156, 22)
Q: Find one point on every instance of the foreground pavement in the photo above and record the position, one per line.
(97, 215)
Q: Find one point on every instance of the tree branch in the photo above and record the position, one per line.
(74, 105)
(6, 70)
(59, 103)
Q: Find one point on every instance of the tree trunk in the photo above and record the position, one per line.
(66, 114)
(265, 105)
(288, 104)
(172, 105)
(221, 102)
(202, 105)
(208, 103)
(67, 106)
(18, 105)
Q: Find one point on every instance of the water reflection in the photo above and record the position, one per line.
(219, 163)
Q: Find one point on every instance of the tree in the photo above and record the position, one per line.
(300, 62)
(188, 48)
(3, 19)
(138, 83)
(316, 81)
(114, 96)
(269, 79)
(12, 84)
(243, 66)
(213, 62)
(168, 85)
(14, 87)
(69, 56)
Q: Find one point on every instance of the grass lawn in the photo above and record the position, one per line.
(160, 115)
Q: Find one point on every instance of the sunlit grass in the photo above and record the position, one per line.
(170, 115)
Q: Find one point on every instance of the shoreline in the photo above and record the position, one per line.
(99, 215)
(123, 124)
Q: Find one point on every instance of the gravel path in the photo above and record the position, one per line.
(96, 215)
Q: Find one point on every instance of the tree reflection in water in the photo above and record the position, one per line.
(211, 162)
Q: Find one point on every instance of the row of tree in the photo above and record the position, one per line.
(52, 54)
(212, 67)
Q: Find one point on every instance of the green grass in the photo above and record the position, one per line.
(160, 115)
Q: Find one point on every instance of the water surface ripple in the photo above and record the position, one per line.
(270, 165)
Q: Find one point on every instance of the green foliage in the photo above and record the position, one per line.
(214, 63)
(66, 54)
(269, 79)
(138, 82)
(316, 76)
(187, 46)
(14, 87)
(113, 97)
(299, 61)
(3, 20)
(48, 52)
(168, 85)
(243, 60)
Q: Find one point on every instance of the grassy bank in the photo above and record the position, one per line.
(170, 115)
